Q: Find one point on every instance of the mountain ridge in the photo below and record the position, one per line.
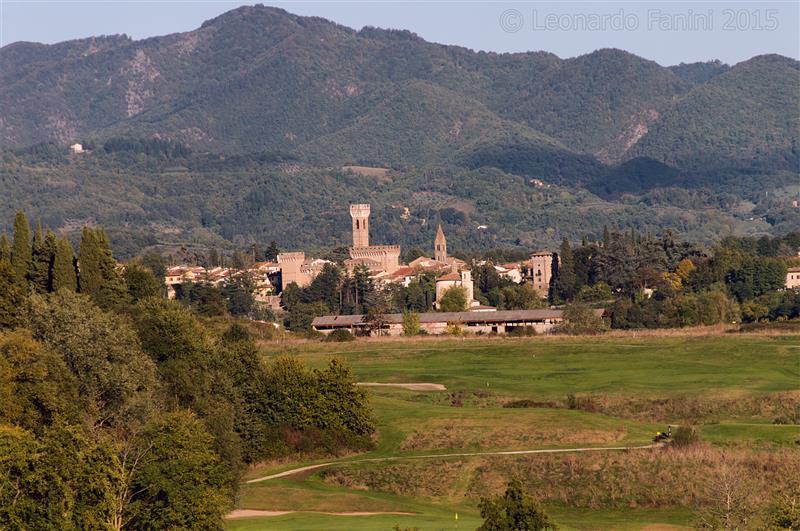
(243, 128)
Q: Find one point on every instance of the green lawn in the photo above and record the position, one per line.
(483, 373)
(553, 367)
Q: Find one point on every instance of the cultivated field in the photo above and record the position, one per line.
(550, 393)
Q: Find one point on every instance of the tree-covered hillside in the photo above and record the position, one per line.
(238, 130)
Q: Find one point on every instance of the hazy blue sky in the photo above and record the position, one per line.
(667, 32)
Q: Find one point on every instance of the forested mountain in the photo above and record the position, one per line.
(259, 109)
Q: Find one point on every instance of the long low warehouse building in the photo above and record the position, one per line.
(502, 321)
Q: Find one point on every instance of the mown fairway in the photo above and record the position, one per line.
(728, 385)
(552, 367)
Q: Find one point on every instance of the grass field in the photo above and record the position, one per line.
(636, 383)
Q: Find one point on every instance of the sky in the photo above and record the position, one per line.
(666, 32)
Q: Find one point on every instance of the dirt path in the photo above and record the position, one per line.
(294, 471)
(409, 386)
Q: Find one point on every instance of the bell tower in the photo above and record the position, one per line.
(440, 246)
(360, 215)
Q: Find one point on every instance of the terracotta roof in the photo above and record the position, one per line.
(403, 272)
(449, 277)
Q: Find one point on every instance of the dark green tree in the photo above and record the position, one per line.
(239, 294)
(21, 251)
(566, 280)
(42, 254)
(272, 251)
(181, 482)
(36, 385)
(64, 480)
(12, 295)
(141, 282)
(63, 275)
(116, 378)
(325, 288)
(515, 510)
(98, 276)
(454, 300)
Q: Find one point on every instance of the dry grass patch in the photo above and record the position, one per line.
(456, 435)
(436, 479)
(783, 407)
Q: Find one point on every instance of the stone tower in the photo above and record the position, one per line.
(360, 215)
(540, 268)
(440, 246)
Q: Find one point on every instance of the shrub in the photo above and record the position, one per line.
(411, 324)
(454, 329)
(526, 403)
(339, 336)
(581, 319)
(516, 509)
(522, 331)
(685, 436)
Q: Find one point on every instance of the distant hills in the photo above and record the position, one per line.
(259, 83)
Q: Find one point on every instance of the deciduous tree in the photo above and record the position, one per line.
(454, 300)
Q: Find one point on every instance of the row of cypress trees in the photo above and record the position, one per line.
(45, 263)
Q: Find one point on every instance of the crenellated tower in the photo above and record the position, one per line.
(360, 215)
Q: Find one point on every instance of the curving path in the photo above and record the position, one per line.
(294, 471)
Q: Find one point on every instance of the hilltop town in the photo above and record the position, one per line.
(382, 264)
(382, 267)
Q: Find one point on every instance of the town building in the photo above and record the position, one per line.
(378, 258)
(456, 279)
(793, 278)
(76, 148)
(540, 271)
(295, 267)
(541, 321)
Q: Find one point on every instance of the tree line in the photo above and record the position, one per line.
(659, 282)
(123, 410)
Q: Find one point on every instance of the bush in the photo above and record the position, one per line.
(516, 509)
(526, 403)
(454, 329)
(581, 319)
(411, 324)
(522, 331)
(339, 336)
(685, 436)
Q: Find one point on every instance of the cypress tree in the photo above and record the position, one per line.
(21, 251)
(11, 295)
(41, 257)
(606, 237)
(271, 254)
(565, 283)
(98, 276)
(89, 278)
(5, 249)
(50, 248)
(63, 275)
